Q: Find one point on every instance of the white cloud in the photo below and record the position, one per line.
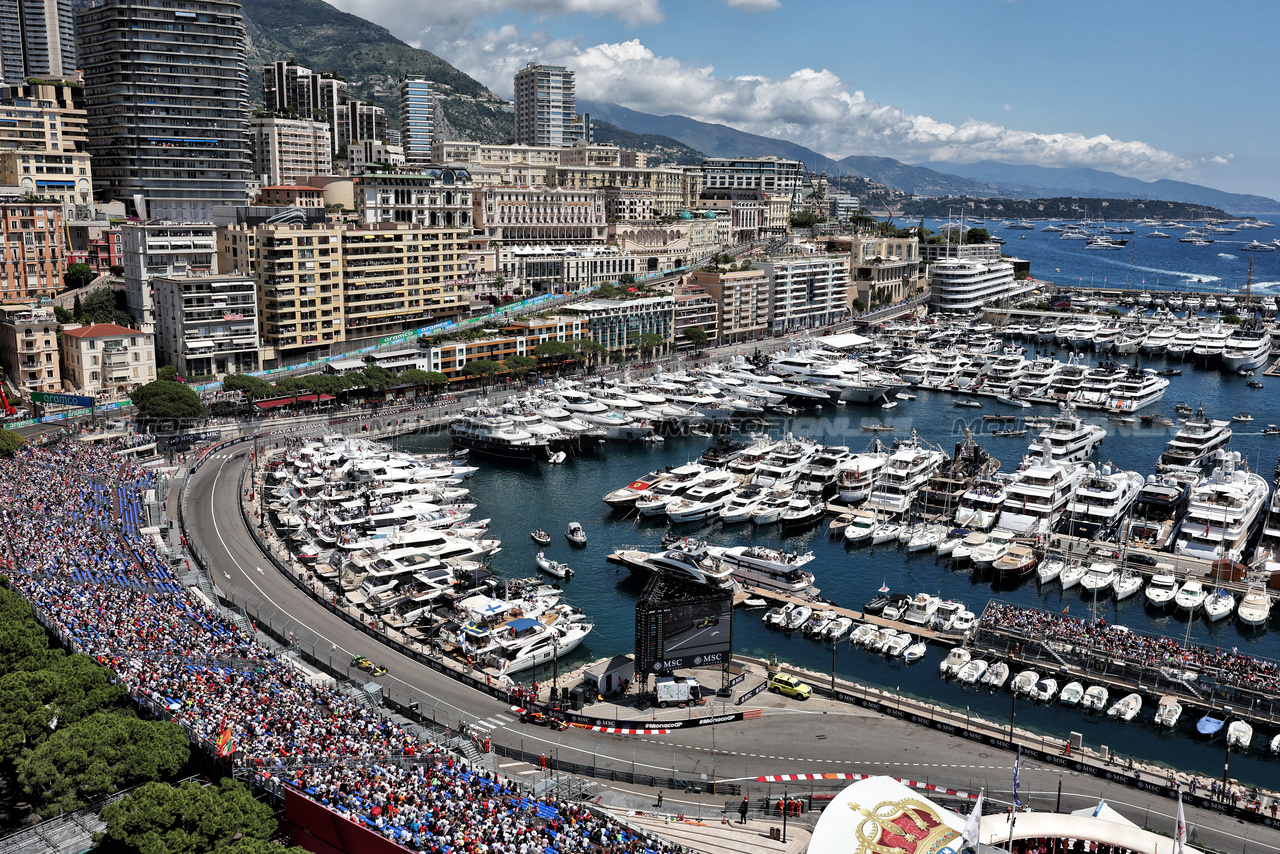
(754, 5)
(816, 108)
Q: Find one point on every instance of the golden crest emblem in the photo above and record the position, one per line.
(901, 827)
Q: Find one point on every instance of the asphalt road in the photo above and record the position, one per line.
(792, 738)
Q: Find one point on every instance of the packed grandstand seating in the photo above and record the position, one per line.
(72, 515)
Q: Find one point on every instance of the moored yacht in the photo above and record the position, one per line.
(1069, 437)
(1038, 497)
(1101, 500)
(1157, 512)
(981, 503)
(760, 566)
(1196, 442)
(906, 471)
(1224, 511)
(1137, 389)
(1246, 349)
(858, 474)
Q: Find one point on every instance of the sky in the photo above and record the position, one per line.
(1151, 90)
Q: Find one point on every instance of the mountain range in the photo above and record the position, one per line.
(373, 60)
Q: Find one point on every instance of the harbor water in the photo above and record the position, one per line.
(521, 498)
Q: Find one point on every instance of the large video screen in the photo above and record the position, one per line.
(678, 635)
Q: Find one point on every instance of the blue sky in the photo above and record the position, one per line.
(1154, 90)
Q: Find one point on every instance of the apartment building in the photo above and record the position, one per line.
(290, 196)
(357, 122)
(105, 360)
(33, 248)
(207, 325)
(662, 247)
(169, 134)
(449, 152)
(37, 39)
(619, 324)
(94, 242)
(299, 271)
(288, 150)
(29, 349)
(808, 291)
(540, 216)
(546, 107)
(43, 142)
(963, 285)
(398, 276)
(163, 249)
(743, 302)
(695, 307)
(362, 155)
(519, 339)
(416, 116)
(559, 269)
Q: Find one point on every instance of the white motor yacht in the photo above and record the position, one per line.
(1246, 349)
(1255, 606)
(1137, 389)
(906, 471)
(993, 548)
(981, 503)
(704, 499)
(1190, 596)
(1095, 697)
(1101, 500)
(858, 474)
(761, 566)
(1196, 442)
(1224, 511)
(1098, 578)
(1161, 590)
(1070, 438)
(1038, 497)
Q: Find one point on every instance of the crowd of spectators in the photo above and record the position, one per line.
(1229, 666)
(75, 550)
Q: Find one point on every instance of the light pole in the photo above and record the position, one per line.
(1013, 713)
(786, 806)
(1226, 762)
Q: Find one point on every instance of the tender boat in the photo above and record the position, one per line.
(915, 652)
(1190, 596)
(1127, 708)
(798, 617)
(1071, 694)
(1044, 690)
(1025, 682)
(776, 617)
(1099, 578)
(575, 534)
(1168, 712)
(1162, 590)
(955, 660)
(996, 675)
(898, 644)
(541, 537)
(964, 551)
(553, 567)
(862, 634)
(1218, 605)
(1239, 734)
(1095, 697)
(1255, 607)
(1017, 563)
(972, 672)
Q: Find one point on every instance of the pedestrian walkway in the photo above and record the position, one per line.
(711, 836)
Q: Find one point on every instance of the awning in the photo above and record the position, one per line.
(271, 404)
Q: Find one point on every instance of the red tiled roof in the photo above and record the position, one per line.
(100, 330)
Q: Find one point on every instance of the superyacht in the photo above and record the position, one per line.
(1038, 497)
(1224, 511)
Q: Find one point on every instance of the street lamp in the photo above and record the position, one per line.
(786, 804)
(1226, 762)
(1013, 712)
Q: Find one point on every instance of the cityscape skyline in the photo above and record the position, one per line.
(991, 86)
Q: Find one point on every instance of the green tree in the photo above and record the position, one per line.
(413, 376)
(590, 351)
(10, 443)
(859, 306)
(78, 275)
(977, 235)
(806, 219)
(163, 400)
(253, 388)
(168, 373)
(98, 755)
(626, 279)
(33, 703)
(555, 354)
(100, 307)
(63, 315)
(648, 342)
(77, 308)
(483, 368)
(376, 377)
(696, 336)
(435, 379)
(190, 819)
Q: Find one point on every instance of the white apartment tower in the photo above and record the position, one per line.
(546, 107)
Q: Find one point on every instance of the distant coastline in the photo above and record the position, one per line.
(1059, 208)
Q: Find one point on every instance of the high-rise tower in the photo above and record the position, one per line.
(168, 104)
(415, 120)
(546, 107)
(37, 39)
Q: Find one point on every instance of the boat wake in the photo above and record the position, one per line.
(1228, 256)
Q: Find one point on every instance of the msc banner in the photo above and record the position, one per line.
(60, 399)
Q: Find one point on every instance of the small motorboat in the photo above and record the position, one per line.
(999, 418)
(1122, 419)
(915, 652)
(1017, 562)
(964, 621)
(836, 527)
(541, 537)
(898, 644)
(575, 534)
(1239, 735)
(1161, 590)
(878, 428)
(877, 605)
(776, 617)
(818, 624)
(1071, 694)
(1271, 430)
(968, 545)
(902, 395)
(860, 528)
(1218, 605)
(1254, 384)
(879, 641)
(1241, 417)
(862, 634)
(557, 458)
(1275, 744)
(1127, 707)
(798, 617)
(1044, 690)
(553, 567)
(1012, 401)
(1190, 596)
(837, 628)
(1168, 712)
(1095, 697)
(972, 672)
(996, 675)
(898, 604)
(966, 403)
(1209, 725)
(1012, 434)
(1170, 372)
(889, 404)
(754, 602)
(955, 660)
(1024, 682)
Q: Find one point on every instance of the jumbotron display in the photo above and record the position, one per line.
(681, 624)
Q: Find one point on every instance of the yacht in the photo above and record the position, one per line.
(569, 424)
(654, 501)
(906, 471)
(1267, 555)
(818, 479)
(1069, 438)
(1038, 498)
(1246, 350)
(922, 609)
(1098, 386)
(1196, 442)
(1101, 500)
(1158, 339)
(1212, 342)
(1183, 341)
(1157, 512)
(536, 644)
(1223, 512)
(625, 497)
(703, 499)
(782, 466)
(859, 473)
(980, 505)
(692, 563)
(1098, 578)
(1255, 606)
(741, 506)
(771, 569)
(1137, 389)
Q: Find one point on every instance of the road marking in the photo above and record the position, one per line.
(508, 764)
